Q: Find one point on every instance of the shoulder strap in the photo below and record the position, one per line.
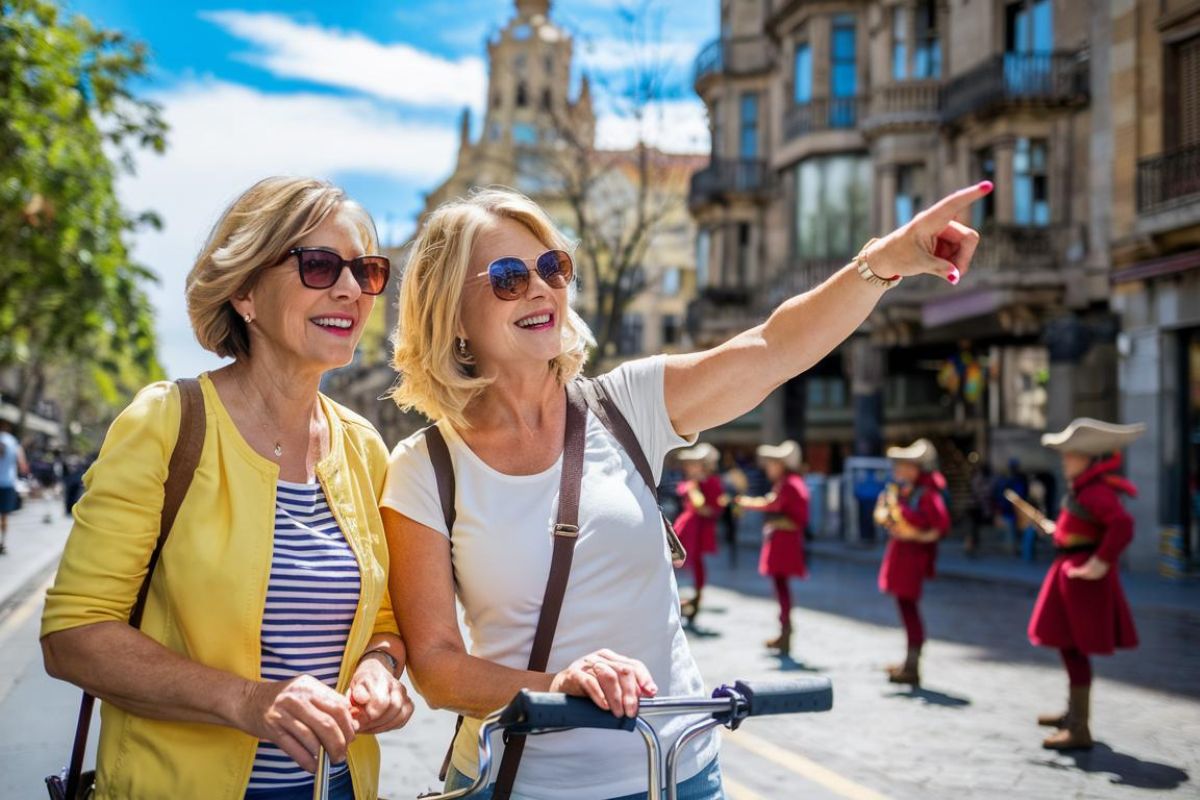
(443, 470)
(566, 532)
(602, 405)
(185, 457)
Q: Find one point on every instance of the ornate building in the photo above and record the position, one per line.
(837, 121)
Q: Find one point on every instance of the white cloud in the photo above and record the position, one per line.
(223, 138)
(676, 126)
(617, 55)
(350, 60)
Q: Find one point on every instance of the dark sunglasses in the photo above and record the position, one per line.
(321, 268)
(509, 275)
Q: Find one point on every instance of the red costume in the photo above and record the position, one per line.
(696, 526)
(906, 564)
(783, 544)
(1088, 616)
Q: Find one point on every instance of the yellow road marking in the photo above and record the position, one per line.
(21, 613)
(736, 791)
(804, 767)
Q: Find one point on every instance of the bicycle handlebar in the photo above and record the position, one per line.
(791, 696)
(530, 711)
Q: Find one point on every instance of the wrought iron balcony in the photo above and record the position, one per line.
(740, 55)
(1168, 180)
(1007, 79)
(1008, 248)
(719, 311)
(800, 275)
(904, 104)
(725, 178)
(823, 114)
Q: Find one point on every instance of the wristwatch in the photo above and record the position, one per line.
(393, 664)
(865, 272)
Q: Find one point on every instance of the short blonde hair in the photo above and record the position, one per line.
(434, 379)
(256, 232)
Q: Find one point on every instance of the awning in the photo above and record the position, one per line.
(33, 422)
(1159, 267)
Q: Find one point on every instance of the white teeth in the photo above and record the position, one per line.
(333, 322)
(529, 322)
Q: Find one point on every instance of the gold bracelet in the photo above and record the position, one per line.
(867, 274)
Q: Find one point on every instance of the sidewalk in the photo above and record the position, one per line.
(34, 547)
(1146, 591)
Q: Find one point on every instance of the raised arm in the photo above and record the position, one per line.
(712, 387)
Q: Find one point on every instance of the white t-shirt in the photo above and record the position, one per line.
(621, 595)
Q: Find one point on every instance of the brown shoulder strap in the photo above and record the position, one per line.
(602, 405)
(443, 470)
(185, 457)
(566, 532)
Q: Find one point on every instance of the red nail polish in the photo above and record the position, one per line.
(987, 186)
(955, 276)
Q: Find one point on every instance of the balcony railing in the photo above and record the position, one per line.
(1018, 78)
(823, 114)
(1168, 180)
(798, 277)
(719, 311)
(905, 103)
(740, 55)
(724, 177)
(1026, 248)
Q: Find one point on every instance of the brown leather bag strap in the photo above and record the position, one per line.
(602, 405)
(185, 457)
(443, 470)
(566, 532)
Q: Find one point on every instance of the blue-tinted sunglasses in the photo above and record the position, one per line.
(509, 275)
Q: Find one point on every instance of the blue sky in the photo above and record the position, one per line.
(365, 93)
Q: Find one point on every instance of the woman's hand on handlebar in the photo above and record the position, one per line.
(612, 681)
(300, 715)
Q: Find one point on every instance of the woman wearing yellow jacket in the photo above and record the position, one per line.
(267, 632)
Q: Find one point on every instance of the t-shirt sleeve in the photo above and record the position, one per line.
(411, 485)
(637, 389)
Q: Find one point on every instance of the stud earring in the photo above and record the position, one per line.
(248, 319)
(463, 352)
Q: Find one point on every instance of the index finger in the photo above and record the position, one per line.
(946, 210)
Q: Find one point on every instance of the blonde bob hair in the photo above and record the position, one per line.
(256, 232)
(435, 378)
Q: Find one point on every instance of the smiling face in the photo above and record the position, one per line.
(309, 329)
(504, 334)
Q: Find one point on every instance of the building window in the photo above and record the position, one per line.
(833, 198)
(1183, 94)
(522, 95)
(1031, 196)
(549, 64)
(900, 43)
(802, 74)
(629, 339)
(1028, 27)
(547, 99)
(748, 137)
(984, 211)
(524, 133)
(670, 329)
(909, 196)
(519, 62)
(671, 281)
(703, 247)
(927, 58)
(844, 63)
(742, 260)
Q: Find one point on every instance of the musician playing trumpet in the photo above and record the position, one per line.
(912, 509)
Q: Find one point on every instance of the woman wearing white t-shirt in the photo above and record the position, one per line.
(485, 345)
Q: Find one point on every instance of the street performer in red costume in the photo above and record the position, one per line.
(1081, 609)
(786, 510)
(913, 512)
(702, 499)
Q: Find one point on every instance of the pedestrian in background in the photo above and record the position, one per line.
(912, 509)
(1081, 610)
(702, 499)
(267, 633)
(12, 466)
(786, 518)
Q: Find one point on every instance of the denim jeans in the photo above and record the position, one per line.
(340, 788)
(704, 785)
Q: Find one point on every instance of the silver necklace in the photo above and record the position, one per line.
(258, 418)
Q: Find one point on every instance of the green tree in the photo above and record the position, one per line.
(70, 295)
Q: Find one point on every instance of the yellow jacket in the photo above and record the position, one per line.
(208, 592)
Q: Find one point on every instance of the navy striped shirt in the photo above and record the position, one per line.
(312, 596)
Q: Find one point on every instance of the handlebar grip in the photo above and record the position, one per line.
(792, 696)
(530, 711)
